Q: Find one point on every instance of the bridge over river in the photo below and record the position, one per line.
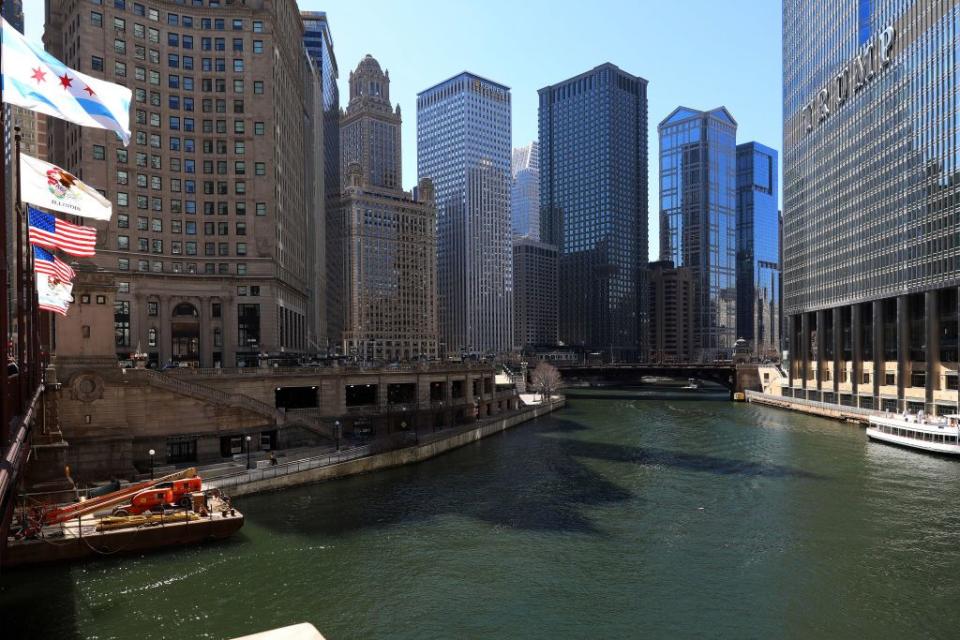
(736, 378)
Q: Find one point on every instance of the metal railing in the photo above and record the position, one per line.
(405, 439)
(757, 395)
(287, 468)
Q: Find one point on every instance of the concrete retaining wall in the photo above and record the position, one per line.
(836, 412)
(397, 457)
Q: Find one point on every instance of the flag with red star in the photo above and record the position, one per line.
(35, 80)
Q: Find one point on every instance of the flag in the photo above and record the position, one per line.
(47, 185)
(53, 294)
(49, 264)
(46, 230)
(34, 79)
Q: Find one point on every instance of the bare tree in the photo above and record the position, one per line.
(545, 379)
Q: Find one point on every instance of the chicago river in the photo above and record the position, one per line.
(657, 512)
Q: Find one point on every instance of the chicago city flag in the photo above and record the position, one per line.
(53, 294)
(48, 231)
(47, 185)
(34, 79)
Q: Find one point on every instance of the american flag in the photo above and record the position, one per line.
(46, 262)
(46, 230)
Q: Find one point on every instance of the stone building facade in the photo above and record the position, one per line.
(671, 312)
(535, 293)
(382, 241)
(210, 238)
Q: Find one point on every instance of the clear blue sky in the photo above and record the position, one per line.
(698, 53)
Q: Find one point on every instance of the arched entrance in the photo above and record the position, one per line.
(185, 334)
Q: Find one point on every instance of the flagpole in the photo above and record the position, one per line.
(5, 410)
(21, 284)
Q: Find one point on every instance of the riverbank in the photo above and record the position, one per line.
(811, 407)
(364, 460)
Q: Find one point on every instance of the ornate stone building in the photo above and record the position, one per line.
(382, 242)
(210, 241)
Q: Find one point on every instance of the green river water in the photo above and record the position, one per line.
(655, 513)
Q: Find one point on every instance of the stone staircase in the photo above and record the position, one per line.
(208, 394)
(279, 417)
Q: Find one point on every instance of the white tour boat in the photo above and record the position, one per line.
(938, 434)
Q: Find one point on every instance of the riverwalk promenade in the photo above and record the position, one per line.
(404, 448)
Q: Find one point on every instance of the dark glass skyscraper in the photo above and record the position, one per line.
(758, 249)
(871, 194)
(319, 44)
(593, 203)
(698, 218)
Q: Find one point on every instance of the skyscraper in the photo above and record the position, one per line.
(698, 218)
(463, 144)
(758, 249)
(593, 203)
(871, 186)
(525, 193)
(209, 238)
(383, 240)
(535, 293)
(671, 312)
(325, 149)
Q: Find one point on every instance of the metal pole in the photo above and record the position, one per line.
(21, 288)
(5, 413)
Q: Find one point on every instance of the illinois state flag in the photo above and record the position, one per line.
(47, 185)
(53, 294)
(34, 79)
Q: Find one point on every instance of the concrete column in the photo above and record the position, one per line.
(381, 392)
(165, 330)
(804, 348)
(903, 348)
(856, 335)
(879, 360)
(791, 324)
(837, 323)
(821, 354)
(932, 326)
(206, 334)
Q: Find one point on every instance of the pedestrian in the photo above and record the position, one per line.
(273, 459)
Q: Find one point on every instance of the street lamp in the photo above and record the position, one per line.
(152, 453)
(248, 452)
(336, 433)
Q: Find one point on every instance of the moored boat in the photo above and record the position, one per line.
(935, 434)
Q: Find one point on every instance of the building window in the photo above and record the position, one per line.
(96, 63)
(121, 323)
(258, 87)
(153, 308)
(248, 325)
(152, 337)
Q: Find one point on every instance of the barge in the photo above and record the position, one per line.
(173, 511)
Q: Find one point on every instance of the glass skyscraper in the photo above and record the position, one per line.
(463, 145)
(698, 219)
(525, 194)
(871, 190)
(758, 249)
(593, 206)
(319, 45)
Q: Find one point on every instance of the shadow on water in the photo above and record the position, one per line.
(38, 603)
(525, 479)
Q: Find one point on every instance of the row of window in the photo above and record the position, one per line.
(177, 20)
(177, 226)
(183, 206)
(189, 124)
(178, 247)
(209, 268)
